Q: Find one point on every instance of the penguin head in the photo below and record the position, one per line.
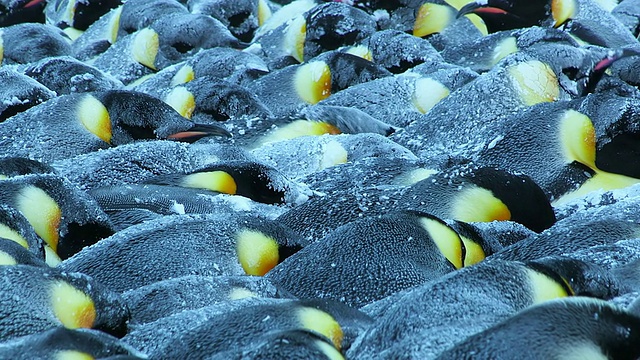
(126, 116)
(577, 277)
(501, 15)
(183, 35)
(261, 245)
(596, 72)
(332, 25)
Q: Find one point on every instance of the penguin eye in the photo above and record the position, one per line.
(182, 47)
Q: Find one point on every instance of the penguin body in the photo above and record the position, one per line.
(242, 19)
(128, 205)
(139, 14)
(387, 173)
(98, 37)
(451, 128)
(35, 299)
(291, 344)
(375, 257)
(589, 142)
(583, 327)
(136, 162)
(474, 194)
(170, 39)
(183, 35)
(61, 342)
(318, 153)
(66, 75)
(319, 216)
(289, 89)
(220, 63)
(323, 27)
(19, 93)
(236, 245)
(30, 42)
(75, 124)
(12, 253)
(66, 218)
(252, 322)
(398, 51)
(319, 316)
(578, 232)
(458, 305)
(168, 297)
(414, 94)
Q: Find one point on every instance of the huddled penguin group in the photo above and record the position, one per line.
(315, 179)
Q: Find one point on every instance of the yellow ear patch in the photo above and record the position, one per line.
(475, 19)
(563, 10)
(72, 307)
(264, 12)
(427, 93)
(9, 233)
(69, 11)
(534, 81)
(583, 350)
(50, 257)
(114, 25)
(413, 176)
(360, 51)
(300, 128)
(476, 204)
(72, 355)
(182, 101)
(333, 154)
(219, 181)
(42, 212)
(504, 48)
(144, 47)
(312, 81)
(238, 293)
(545, 288)
(447, 240)
(329, 351)
(322, 323)
(578, 138)
(432, 18)
(257, 252)
(6, 259)
(474, 252)
(93, 115)
(183, 76)
(73, 33)
(1, 47)
(600, 181)
(294, 37)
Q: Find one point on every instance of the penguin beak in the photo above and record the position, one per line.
(477, 7)
(198, 131)
(614, 56)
